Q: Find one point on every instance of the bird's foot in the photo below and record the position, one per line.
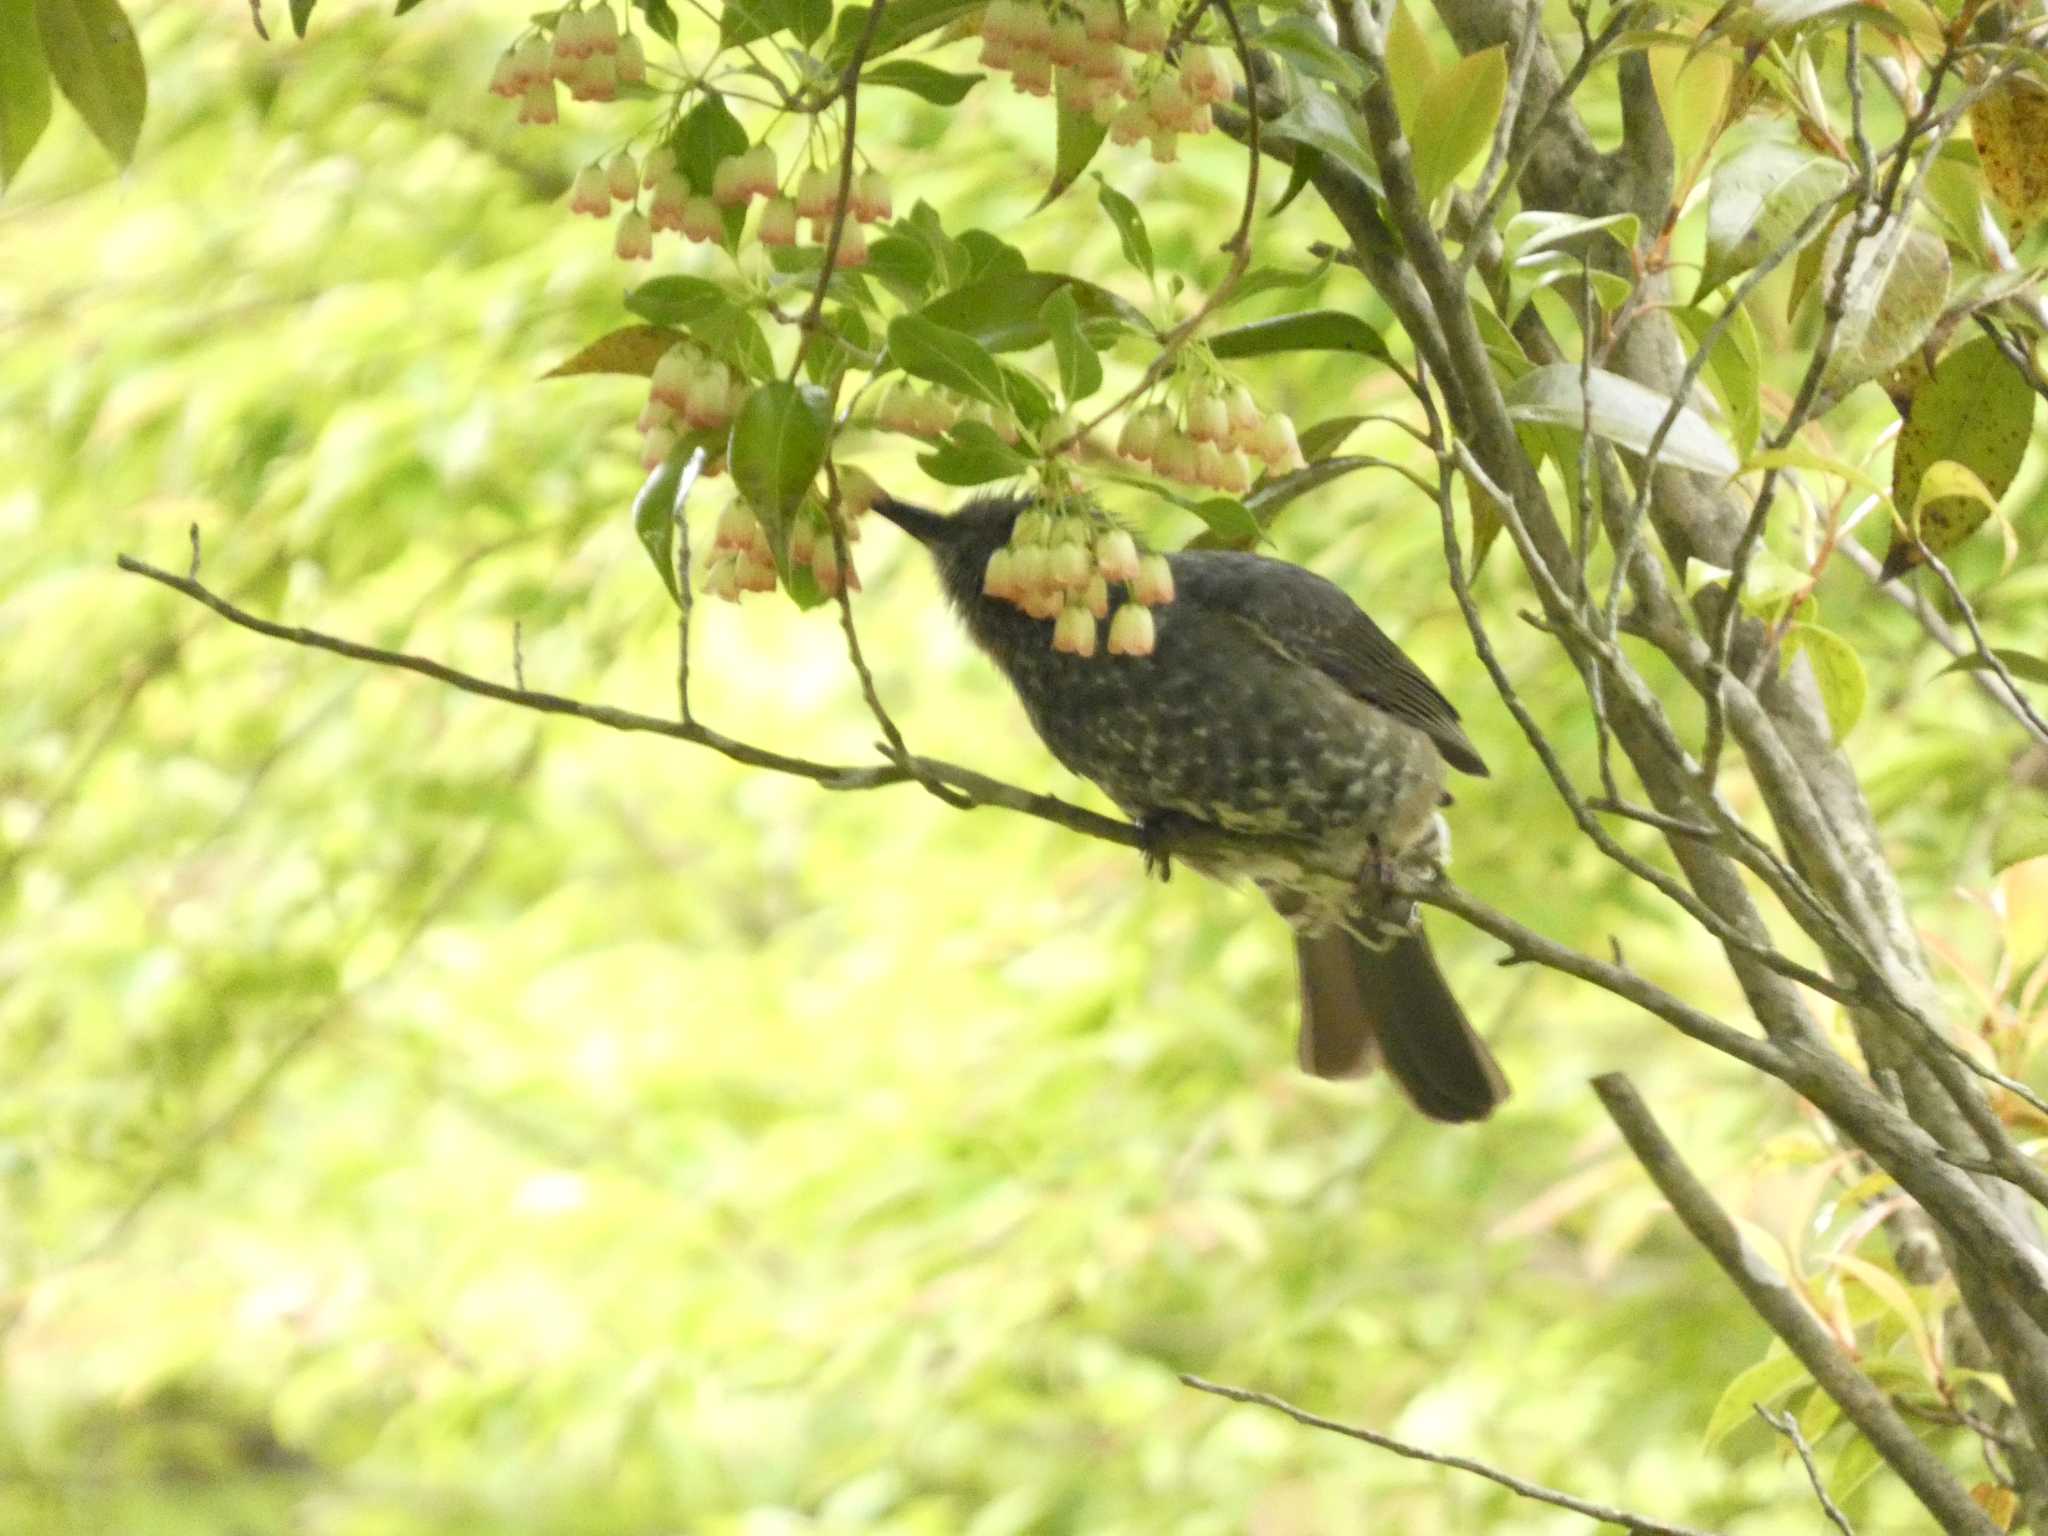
(1157, 832)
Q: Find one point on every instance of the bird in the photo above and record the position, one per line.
(1273, 733)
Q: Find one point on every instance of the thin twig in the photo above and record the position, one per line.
(1606, 1513)
(1788, 1426)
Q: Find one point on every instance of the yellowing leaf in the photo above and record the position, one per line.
(2010, 126)
(1975, 414)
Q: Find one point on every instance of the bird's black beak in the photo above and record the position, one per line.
(928, 528)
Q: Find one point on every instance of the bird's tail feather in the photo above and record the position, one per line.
(1359, 1005)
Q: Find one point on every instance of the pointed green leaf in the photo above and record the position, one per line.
(1315, 330)
(777, 447)
(1080, 368)
(1759, 197)
(1622, 411)
(945, 357)
(90, 48)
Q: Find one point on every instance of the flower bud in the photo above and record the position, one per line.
(1154, 581)
(1132, 631)
(1116, 555)
(1074, 631)
(635, 239)
(778, 222)
(590, 193)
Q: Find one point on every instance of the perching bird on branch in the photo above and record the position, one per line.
(1266, 730)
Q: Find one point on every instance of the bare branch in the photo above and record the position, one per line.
(1606, 1513)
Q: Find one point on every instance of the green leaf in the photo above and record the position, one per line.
(904, 21)
(2021, 664)
(92, 54)
(1080, 368)
(1130, 227)
(1621, 411)
(935, 85)
(1897, 285)
(1297, 39)
(2021, 834)
(920, 345)
(1002, 313)
(1077, 137)
(1734, 370)
(677, 300)
(1458, 112)
(661, 18)
(1326, 437)
(1771, 1378)
(655, 509)
(1759, 197)
(24, 86)
(1837, 671)
(972, 454)
(1315, 330)
(777, 446)
(302, 13)
(1975, 410)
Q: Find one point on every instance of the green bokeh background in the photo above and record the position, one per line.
(424, 1117)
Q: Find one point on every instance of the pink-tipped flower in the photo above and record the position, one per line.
(506, 79)
(1033, 74)
(1132, 631)
(660, 162)
(701, 220)
(666, 209)
(656, 446)
(589, 193)
(1068, 43)
(537, 106)
(729, 182)
(760, 171)
(778, 222)
(1208, 418)
(999, 579)
(756, 573)
(1204, 74)
(872, 200)
(622, 177)
(1116, 555)
(1277, 444)
(1131, 124)
(1146, 31)
(1071, 567)
(1176, 457)
(1074, 631)
(853, 246)
(632, 60)
(816, 194)
(1139, 439)
(1097, 596)
(1154, 581)
(635, 239)
(858, 493)
(673, 376)
(1103, 21)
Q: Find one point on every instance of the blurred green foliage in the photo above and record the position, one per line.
(422, 1117)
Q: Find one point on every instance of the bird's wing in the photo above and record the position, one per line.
(1316, 622)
